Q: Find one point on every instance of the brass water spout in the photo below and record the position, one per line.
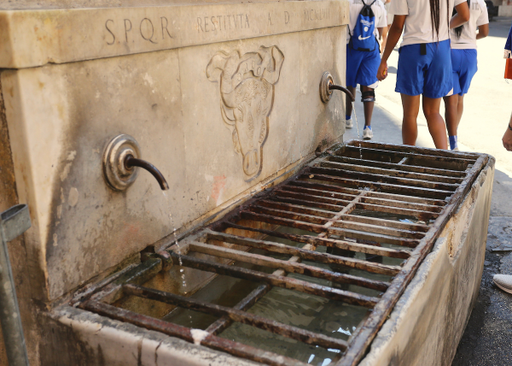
(327, 86)
(121, 156)
(344, 90)
(131, 162)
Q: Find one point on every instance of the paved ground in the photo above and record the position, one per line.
(488, 105)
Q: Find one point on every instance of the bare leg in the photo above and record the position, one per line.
(349, 101)
(451, 114)
(435, 122)
(460, 109)
(411, 106)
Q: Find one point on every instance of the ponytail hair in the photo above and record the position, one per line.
(435, 17)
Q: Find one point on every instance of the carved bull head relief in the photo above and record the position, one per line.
(247, 95)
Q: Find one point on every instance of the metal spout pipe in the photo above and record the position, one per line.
(344, 90)
(130, 162)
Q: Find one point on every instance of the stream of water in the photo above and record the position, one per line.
(167, 208)
(357, 129)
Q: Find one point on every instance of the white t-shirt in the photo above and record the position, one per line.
(378, 10)
(418, 26)
(478, 16)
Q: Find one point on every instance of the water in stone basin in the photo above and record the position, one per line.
(171, 223)
(305, 311)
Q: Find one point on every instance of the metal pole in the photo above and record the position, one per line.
(13, 222)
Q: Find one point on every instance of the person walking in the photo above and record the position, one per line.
(367, 20)
(424, 64)
(464, 64)
(389, 20)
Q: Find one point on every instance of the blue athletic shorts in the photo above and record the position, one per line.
(429, 74)
(362, 67)
(464, 68)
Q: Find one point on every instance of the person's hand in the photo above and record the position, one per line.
(507, 139)
(382, 73)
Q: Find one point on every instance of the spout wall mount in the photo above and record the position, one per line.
(327, 86)
(118, 176)
(325, 82)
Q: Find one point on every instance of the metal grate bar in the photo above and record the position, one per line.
(336, 204)
(345, 233)
(361, 226)
(238, 316)
(385, 187)
(456, 174)
(290, 267)
(391, 172)
(317, 241)
(279, 281)
(383, 178)
(309, 254)
(368, 198)
(221, 324)
(235, 348)
(431, 158)
(335, 188)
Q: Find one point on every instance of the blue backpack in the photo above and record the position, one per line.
(363, 38)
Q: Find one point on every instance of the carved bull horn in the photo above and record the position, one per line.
(221, 68)
(272, 62)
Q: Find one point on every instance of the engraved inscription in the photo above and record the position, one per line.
(313, 15)
(222, 23)
(247, 95)
(152, 30)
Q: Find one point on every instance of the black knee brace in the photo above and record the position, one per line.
(368, 96)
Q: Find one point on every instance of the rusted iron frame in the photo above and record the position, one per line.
(365, 334)
(288, 331)
(311, 255)
(419, 150)
(402, 165)
(212, 341)
(353, 217)
(392, 172)
(221, 324)
(315, 228)
(247, 302)
(338, 222)
(279, 281)
(290, 267)
(417, 183)
(327, 242)
(304, 181)
(323, 202)
(422, 158)
(367, 198)
(379, 186)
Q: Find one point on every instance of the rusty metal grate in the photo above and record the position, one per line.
(351, 227)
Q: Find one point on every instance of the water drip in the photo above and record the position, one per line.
(357, 129)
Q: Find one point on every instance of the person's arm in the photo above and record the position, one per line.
(462, 15)
(395, 31)
(507, 137)
(381, 31)
(483, 31)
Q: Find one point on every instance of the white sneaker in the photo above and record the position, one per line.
(367, 133)
(504, 282)
(349, 123)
